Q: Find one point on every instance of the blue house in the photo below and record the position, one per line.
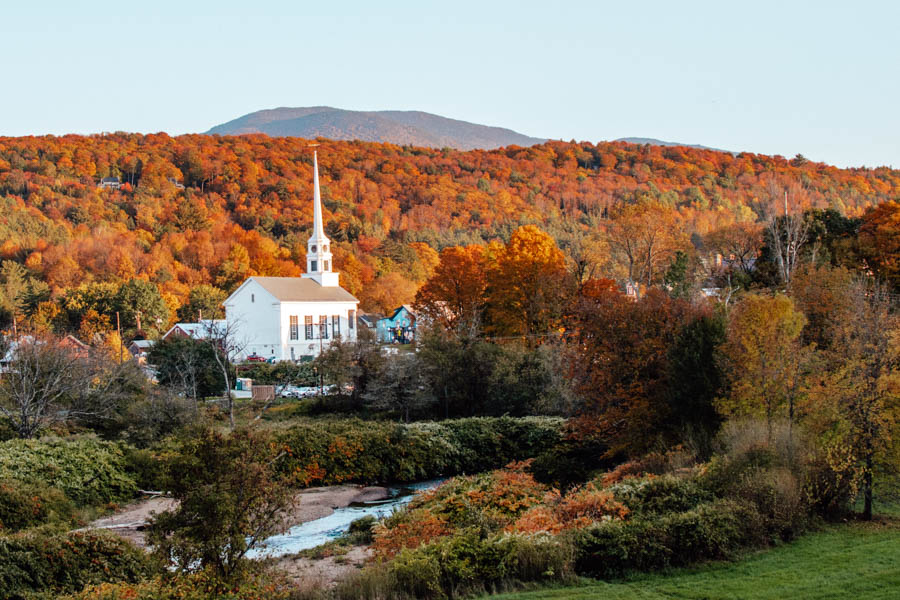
(399, 328)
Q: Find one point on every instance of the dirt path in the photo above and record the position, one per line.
(313, 503)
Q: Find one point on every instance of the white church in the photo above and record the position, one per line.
(294, 318)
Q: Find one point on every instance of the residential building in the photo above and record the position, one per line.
(399, 328)
(200, 330)
(110, 183)
(139, 349)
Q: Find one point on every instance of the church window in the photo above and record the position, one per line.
(313, 265)
(351, 319)
(313, 249)
(336, 325)
(324, 265)
(252, 297)
(295, 328)
(308, 325)
(323, 327)
(325, 248)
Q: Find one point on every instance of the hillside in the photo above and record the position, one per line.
(246, 206)
(413, 128)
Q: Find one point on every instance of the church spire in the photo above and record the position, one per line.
(318, 248)
(318, 228)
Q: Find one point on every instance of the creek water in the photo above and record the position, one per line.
(320, 531)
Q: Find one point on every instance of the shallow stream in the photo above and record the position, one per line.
(320, 531)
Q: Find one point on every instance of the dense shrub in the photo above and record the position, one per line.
(153, 418)
(63, 563)
(86, 470)
(487, 502)
(615, 548)
(329, 452)
(714, 530)
(202, 585)
(463, 564)
(361, 530)
(656, 495)
(28, 504)
(579, 508)
(571, 462)
(776, 473)
(147, 467)
(654, 463)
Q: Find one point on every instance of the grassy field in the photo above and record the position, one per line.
(860, 561)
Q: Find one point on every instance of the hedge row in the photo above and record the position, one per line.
(331, 452)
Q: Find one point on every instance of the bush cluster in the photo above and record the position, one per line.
(88, 471)
(202, 585)
(464, 564)
(709, 531)
(451, 540)
(25, 505)
(32, 563)
(331, 452)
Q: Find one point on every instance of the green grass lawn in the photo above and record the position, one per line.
(857, 561)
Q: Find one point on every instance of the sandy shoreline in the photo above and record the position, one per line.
(312, 503)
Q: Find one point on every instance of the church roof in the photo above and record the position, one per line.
(303, 289)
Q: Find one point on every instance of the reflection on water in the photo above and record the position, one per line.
(320, 531)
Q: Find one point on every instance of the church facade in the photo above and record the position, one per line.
(293, 318)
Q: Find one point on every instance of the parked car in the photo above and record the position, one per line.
(290, 391)
(256, 358)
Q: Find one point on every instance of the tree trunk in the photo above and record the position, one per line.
(867, 486)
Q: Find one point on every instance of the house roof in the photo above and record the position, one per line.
(397, 310)
(199, 331)
(303, 289)
(73, 342)
(142, 343)
(369, 318)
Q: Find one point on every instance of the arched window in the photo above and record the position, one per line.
(325, 248)
(325, 265)
(313, 249)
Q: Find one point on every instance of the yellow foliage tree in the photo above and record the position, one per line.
(528, 281)
(765, 354)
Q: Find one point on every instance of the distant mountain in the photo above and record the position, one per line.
(393, 126)
(655, 142)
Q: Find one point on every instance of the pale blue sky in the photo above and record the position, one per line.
(818, 78)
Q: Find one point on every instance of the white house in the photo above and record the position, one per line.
(200, 330)
(294, 318)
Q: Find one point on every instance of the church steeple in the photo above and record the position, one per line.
(318, 227)
(318, 248)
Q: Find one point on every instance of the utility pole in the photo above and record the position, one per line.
(15, 329)
(138, 320)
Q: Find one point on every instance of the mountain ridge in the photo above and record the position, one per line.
(416, 128)
(656, 142)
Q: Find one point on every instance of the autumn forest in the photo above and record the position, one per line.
(195, 215)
